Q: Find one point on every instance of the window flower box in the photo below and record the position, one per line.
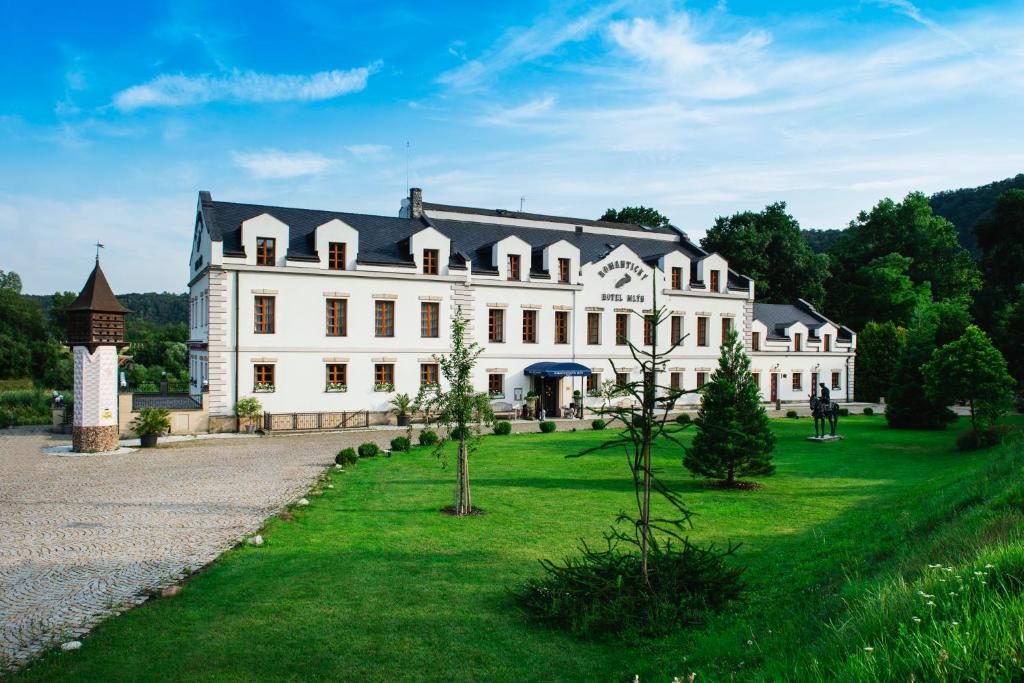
(385, 386)
(594, 393)
(263, 388)
(336, 388)
(497, 394)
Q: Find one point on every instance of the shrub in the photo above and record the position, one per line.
(973, 439)
(598, 424)
(684, 418)
(346, 456)
(428, 437)
(547, 426)
(602, 593)
(248, 407)
(844, 412)
(869, 411)
(792, 414)
(25, 407)
(368, 450)
(456, 434)
(502, 428)
(401, 444)
(151, 421)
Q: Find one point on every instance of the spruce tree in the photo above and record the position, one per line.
(733, 438)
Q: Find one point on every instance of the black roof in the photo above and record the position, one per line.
(777, 317)
(505, 213)
(385, 239)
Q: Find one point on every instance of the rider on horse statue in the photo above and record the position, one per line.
(824, 411)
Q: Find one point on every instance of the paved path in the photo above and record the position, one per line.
(84, 537)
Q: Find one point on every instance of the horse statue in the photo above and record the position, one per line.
(824, 409)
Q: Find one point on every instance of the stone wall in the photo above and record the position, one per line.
(94, 439)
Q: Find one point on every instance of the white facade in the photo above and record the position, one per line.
(229, 352)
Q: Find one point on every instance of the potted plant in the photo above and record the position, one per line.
(150, 424)
(249, 408)
(400, 405)
(529, 409)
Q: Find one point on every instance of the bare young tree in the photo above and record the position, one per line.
(459, 408)
(643, 419)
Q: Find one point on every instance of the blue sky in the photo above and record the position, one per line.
(112, 117)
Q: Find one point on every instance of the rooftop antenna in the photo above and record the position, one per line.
(522, 200)
(98, 247)
(407, 167)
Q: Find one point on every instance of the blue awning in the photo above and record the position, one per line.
(552, 369)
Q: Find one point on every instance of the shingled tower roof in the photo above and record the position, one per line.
(97, 295)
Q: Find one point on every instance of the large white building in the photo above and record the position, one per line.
(322, 311)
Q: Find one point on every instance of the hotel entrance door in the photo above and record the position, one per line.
(549, 395)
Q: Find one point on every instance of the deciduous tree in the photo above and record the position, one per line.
(971, 369)
(879, 346)
(637, 215)
(459, 407)
(770, 247)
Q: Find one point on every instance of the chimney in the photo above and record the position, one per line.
(415, 202)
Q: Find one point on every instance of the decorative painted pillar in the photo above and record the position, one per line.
(95, 333)
(95, 427)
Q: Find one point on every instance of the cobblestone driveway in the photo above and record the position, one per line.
(83, 537)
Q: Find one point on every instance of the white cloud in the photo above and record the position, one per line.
(178, 90)
(369, 151)
(519, 46)
(696, 66)
(510, 116)
(275, 164)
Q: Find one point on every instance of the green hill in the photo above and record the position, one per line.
(966, 206)
(160, 308)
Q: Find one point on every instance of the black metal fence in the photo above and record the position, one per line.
(292, 422)
(168, 401)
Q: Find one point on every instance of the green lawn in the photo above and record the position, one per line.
(371, 583)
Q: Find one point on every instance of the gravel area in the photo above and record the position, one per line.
(83, 538)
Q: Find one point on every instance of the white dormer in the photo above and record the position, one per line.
(827, 337)
(337, 233)
(511, 246)
(671, 260)
(264, 234)
(759, 335)
(557, 254)
(707, 268)
(798, 334)
(430, 247)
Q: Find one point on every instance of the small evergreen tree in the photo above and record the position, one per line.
(971, 369)
(733, 437)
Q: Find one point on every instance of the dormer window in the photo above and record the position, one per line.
(513, 267)
(714, 283)
(266, 251)
(755, 341)
(828, 343)
(677, 278)
(430, 259)
(563, 270)
(336, 255)
(798, 341)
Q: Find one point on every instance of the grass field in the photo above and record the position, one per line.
(371, 583)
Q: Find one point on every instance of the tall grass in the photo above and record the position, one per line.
(954, 608)
(25, 407)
